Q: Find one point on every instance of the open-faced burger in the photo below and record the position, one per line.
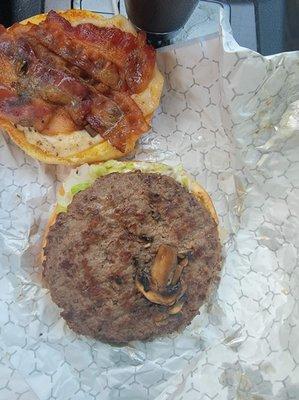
(131, 250)
(76, 87)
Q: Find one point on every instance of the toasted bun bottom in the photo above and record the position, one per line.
(148, 101)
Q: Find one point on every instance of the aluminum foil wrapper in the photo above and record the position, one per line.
(231, 117)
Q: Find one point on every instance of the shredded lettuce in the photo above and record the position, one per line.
(185, 181)
(79, 187)
(83, 177)
(60, 208)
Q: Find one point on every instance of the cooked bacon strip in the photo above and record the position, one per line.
(133, 56)
(45, 55)
(7, 71)
(36, 77)
(115, 117)
(63, 42)
(45, 97)
(121, 123)
(23, 110)
(118, 59)
(49, 58)
(131, 125)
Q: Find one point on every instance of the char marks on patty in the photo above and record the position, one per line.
(110, 236)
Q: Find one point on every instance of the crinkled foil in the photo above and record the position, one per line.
(231, 117)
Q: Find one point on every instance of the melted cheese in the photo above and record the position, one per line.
(61, 145)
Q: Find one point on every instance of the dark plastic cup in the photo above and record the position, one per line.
(160, 19)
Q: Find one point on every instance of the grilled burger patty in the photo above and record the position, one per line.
(132, 258)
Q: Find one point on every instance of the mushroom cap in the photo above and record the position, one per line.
(163, 286)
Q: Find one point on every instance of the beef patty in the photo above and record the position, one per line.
(130, 241)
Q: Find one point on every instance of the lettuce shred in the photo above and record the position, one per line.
(79, 187)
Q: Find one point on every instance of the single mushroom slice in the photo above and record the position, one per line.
(177, 307)
(158, 286)
(178, 271)
(164, 265)
(156, 297)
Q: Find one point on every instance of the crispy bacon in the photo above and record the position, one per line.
(23, 110)
(119, 59)
(36, 77)
(61, 41)
(130, 125)
(120, 123)
(7, 71)
(43, 53)
(47, 96)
